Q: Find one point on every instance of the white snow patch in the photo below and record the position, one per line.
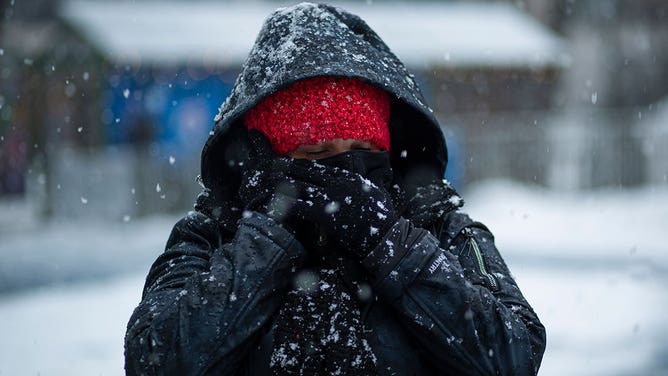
(600, 319)
(607, 224)
(487, 34)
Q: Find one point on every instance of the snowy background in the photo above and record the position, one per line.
(104, 106)
(592, 265)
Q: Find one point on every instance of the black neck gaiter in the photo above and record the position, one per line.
(303, 342)
(373, 165)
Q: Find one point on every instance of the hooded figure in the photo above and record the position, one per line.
(325, 240)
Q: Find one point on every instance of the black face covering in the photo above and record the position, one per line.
(373, 165)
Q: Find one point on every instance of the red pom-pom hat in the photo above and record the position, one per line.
(322, 109)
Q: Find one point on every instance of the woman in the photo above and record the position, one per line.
(325, 240)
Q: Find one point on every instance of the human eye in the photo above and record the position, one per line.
(362, 146)
(315, 152)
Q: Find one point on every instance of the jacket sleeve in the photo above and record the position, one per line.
(205, 299)
(457, 299)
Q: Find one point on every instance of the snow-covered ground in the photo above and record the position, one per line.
(592, 265)
(595, 268)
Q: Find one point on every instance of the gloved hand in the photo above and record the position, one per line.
(264, 185)
(224, 213)
(430, 202)
(350, 209)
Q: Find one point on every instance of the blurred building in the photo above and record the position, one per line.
(158, 72)
(85, 133)
(46, 99)
(617, 79)
(104, 105)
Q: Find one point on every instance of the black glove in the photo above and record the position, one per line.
(348, 208)
(430, 202)
(225, 213)
(265, 188)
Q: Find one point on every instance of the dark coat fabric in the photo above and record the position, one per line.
(442, 299)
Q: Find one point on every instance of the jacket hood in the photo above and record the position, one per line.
(309, 40)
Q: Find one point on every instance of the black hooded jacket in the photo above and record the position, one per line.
(444, 300)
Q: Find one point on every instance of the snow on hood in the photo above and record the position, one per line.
(308, 40)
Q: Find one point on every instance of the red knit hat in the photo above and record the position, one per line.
(323, 109)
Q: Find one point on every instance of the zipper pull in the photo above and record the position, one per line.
(473, 246)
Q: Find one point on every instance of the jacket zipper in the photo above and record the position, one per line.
(481, 263)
